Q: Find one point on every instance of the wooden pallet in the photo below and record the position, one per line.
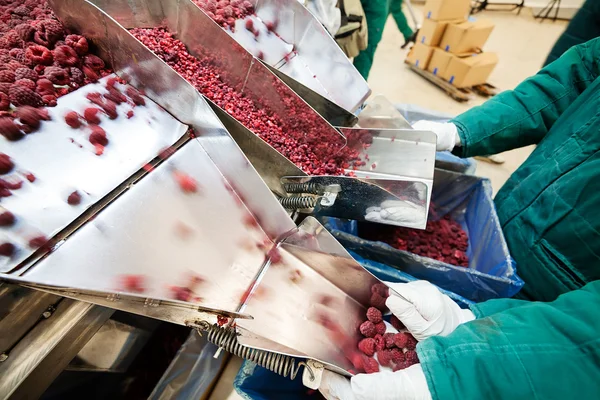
(458, 94)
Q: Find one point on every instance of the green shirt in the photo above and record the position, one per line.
(550, 213)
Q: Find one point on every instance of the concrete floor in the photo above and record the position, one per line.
(522, 45)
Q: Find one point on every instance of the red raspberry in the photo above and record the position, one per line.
(90, 74)
(412, 342)
(115, 96)
(185, 182)
(250, 25)
(396, 323)
(11, 39)
(7, 76)
(7, 219)
(367, 329)
(380, 328)
(377, 301)
(77, 75)
(48, 32)
(30, 177)
(14, 65)
(389, 340)
(93, 62)
(22, 10)
(385, 358)
(26, 83)
(98, 136)
(7, 249)
(135, 96)
(90, 114)
(38, 55)
(38, 241)
(129, 114)
(74, 198)
(20, 96)
(370, 365)
(13, 184)
(4, 102)
(49, 100)
(56, 75)
(380, 288)
(397, 355)
(6, 164)
(17, 55)
(379, 342)
(25, 32)
(26, 73)
(9, 130)
(95, 98)
(29, 116)
(374, 315)
(367, 346)
(133, 283)
(72, 119)
(78, 43)
(181, 293)
(274, 254)
(65, 56)
(4, 87)
(45, 88)
(401, 340)
(411, 357)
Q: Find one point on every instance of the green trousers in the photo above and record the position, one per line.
(377, 12)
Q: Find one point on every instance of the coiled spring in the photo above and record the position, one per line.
(307, 187)
(226, 338)
(294, 203)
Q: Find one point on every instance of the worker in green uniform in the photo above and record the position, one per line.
(546, 344)
(377, 12)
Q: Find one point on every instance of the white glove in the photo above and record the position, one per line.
(411, 214)
(406, 384)
(426, 311)
(447, 133)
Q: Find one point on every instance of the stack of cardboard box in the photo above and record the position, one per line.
(449, 45)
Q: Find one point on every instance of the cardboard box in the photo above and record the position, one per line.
(419, 55)
(471, 70)
(446, 10)
(438, 64)
(466, 37)
(431, 32)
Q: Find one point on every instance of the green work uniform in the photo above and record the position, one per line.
(550, 213)
(377, 12)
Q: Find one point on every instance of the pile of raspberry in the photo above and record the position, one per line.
(392, 350)
(443, 240)
(225, 12)
(300, 135)
(39, 62)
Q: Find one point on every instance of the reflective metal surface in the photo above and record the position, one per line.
(380, 113)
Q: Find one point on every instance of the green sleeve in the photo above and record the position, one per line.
(520, 117)
(533, 351)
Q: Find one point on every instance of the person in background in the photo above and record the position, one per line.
(377, 12)
(546, 343)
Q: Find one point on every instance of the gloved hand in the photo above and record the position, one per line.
(406, 384)
(425, 311)
(447, 133)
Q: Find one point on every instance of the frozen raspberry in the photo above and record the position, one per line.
(65, 56)
(72, 119)
(389, 340)
(412, 342)
(367, 329)
(95, 98)
(49, 100)
(249, 25)
(401, 340)
(11, 39)
(185, 182)
(74, 198)
(90, 74)
(396, 323)
(20, 96)
(115, 96)
(26, 73)
(48, 32)
(14, 65)
(370, 365)
(380, 328)
(56, 75)
(129, 114)
(367, 346)
(271, 25)
(38, 55)
(385, 358)
(22, 10)
(7, 219)
(30, 177)
(135, 96)
(6, 164)
(379, 342)
(274, 254)
(26, 83)
(38, 241)
(411, 357)
(78, 43)
(397, 355)
(9, 130)
(4, 87)
(93, 62)
(25, 32)
(29, 116)
(133, 283)
(112, 82)
(76, 75)
(181, 293)
(11, 184)
(17, 55)
(90, 114)
(98, 136)
(381, 289)
(378, 301)
(7, 249)
(45, 88)
(7, 76)
(4, 102)
(374, 315)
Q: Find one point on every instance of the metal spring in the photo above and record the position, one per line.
(226, 338)
(307, 187)
(294, 203)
